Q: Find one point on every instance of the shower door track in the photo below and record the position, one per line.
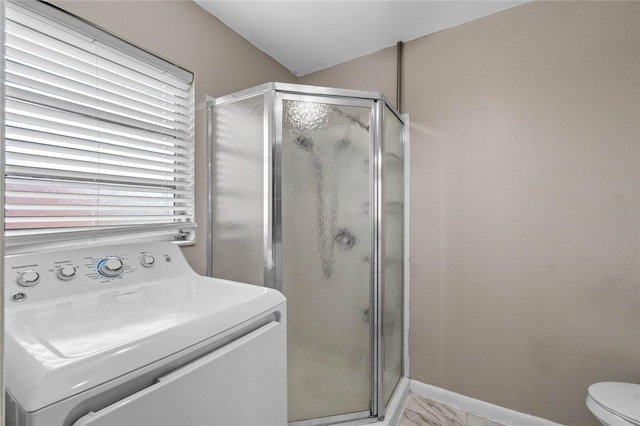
(340, 418)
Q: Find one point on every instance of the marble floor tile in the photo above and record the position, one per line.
(421, 411)
(475, 420)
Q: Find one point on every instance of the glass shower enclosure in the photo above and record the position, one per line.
(306, 195)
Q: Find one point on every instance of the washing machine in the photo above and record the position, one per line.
(126, 335)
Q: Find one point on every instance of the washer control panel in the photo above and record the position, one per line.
(55, 274)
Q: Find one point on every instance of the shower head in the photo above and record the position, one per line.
(341, 144)
(304, 142)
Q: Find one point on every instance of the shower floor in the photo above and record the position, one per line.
(326, 383)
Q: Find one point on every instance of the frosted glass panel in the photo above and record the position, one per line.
(326, 248)
(392, 265)
(237, 190)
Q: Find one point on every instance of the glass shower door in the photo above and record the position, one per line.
(324, 227)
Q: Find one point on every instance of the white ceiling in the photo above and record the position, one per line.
(310, 35)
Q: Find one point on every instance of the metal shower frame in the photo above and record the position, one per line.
(274, 94)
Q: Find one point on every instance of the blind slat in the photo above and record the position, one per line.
(90, 200)
(34, 137)
(94, 155)
(38, 60)
(36, 81)
(102, 77)
(38, 210)
(84, 29)
(87, 111)
(94, 219)
(105, 171)
(25, 185)
(25, 128)
(22, 114)
(48, 174)
(94, 54)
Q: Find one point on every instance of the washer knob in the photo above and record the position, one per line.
(66, 273)
(28, 278)
(147, 261)
(110, 267)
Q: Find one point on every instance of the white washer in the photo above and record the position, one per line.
(131, 335)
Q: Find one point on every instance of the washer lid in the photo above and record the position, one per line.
(622, 399)
(57, 349)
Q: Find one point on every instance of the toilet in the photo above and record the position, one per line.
(615, 403)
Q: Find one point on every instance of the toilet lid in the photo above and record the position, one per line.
(622, 399)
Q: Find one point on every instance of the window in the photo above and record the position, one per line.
(99, 133)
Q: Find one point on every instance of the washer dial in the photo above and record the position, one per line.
(147, 261)
(28, 278)
(110, 267)
(66, 273)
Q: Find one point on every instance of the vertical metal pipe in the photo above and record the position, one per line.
(399, 47)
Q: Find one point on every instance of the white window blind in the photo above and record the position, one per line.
(98, 141)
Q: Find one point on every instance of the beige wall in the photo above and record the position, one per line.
(375, 72)
(182, 32)
(525, 203)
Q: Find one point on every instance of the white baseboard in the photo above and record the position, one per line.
(475, 406)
